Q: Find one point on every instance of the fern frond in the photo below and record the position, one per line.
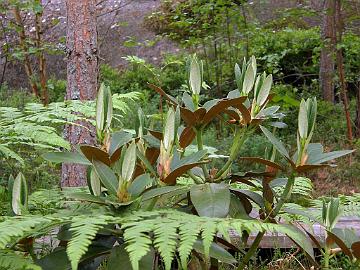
(302, 187)
(11, 260)
(15, 228)
(8, 153)
(188, 235)
(121, 101)
(35, 126)
(208, 231)
(84, 230)
(138, 240)
(166, 240)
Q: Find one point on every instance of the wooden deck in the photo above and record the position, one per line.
(278, 240)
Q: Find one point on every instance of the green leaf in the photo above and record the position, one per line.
(237, 71)
(58, 260)
(128, 165)
(324, 157)
(107, 176)
(237, 209)
(195, 77)
(264, 90)
(303, 120)
(252, 195)
(100, 109)
(94, 183)
(187, 100)
(119, 139)
(216, 252)
(19, 194)
(86, 197)
(311, 107)
(299, 238)
(167, 190)
(145, 161)
(193, 158)
(248, 80)
(275, 142)
(66, 157)
(211, 200)
(119, 259)
(169, 130)
(139, 184)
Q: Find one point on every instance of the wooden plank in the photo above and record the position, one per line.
(278, 240)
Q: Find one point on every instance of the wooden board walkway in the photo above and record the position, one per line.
(278, 240)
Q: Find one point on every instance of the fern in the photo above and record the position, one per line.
(167, 230)
(36, 125)
(302, 187)
(14, 261)
(84, 230)
(8, 153)
(166, 240)
(121, 101)
(138, 241)
(188, 235)
(18, 227)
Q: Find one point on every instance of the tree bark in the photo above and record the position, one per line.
(82, 73)
(41, 59)
(25, 51)
(327, 52)
(357, 120)
(339, 28)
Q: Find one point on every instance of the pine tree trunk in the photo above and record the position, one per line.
(82, 73)
(327, 55)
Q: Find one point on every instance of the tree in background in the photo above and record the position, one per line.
(82, 78)
(22, 30)
(327, 62)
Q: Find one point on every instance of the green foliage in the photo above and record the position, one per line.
(83, 231)
(136, 226)
(14, 261)
(151, 192)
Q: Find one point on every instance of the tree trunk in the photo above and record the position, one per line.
(25, 51)
(41, 59)
(327, 52)
(339, 28)
(82, 73)
(357, 120)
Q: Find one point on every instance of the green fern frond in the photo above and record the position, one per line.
(165, 240)
(11, 260)
(8, 153)
(121, 101)
(208, 231)
(84, 230)
(188, 235)
(138, 240)
(15, 228)
(35, 126)
(137, 234)
(302, 187)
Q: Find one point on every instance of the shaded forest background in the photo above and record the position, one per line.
(312, 48)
